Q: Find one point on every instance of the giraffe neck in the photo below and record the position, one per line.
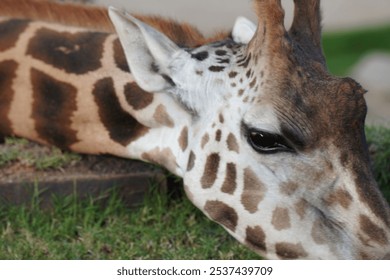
(58, 87)
(71, 87)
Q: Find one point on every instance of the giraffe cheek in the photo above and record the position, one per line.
(210, 171)
(191, 161)
(229, 185)
(254, 191)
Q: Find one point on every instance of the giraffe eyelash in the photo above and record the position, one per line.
(267, 143)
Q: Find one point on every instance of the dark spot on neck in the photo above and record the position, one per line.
(216, 68)
(7, 74)
(119, 56)
(10, 31)
(137, 97)
(53, 108)
(200, 55)
(121, 126)
(76, 53)
(220, 52)
(233, 74)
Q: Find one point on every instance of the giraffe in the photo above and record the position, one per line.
(269, 144)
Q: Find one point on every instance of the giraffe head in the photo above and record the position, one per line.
(275, 149)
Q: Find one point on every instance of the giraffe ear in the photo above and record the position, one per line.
(243, 30)
(148, 52)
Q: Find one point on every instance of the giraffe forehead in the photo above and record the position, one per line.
(217, 57)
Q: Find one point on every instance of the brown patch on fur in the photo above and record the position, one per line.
(205, 140)
(221, 118)
(300, 208)
(96, 18)
(253, 83)
(233, 74)
(200, 56)
(218, 135)
(183, 139)
(317, 232)
(210, 171)
(281, 218)
(191, 161)
(230, 183)
(163, 157)
(137, 97)
(339, 197)
(122, 127)
(7, 74)
(119, 56)
(288, 188)
(76, 53)
(52, 109)
(255, 238)
(232, 143)
(289, 251)
(162, 117)
(374, 232)
(222, 214)
(215, 68)
(10, 31)
(254, 191)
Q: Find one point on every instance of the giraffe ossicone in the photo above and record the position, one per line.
(269, 144)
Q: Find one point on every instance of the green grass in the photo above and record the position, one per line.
(163, 228)
(343, 49)
(43, 158)
(379, 138)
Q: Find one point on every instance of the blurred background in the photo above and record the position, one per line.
(356, 36)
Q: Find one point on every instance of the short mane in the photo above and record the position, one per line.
(96, 18)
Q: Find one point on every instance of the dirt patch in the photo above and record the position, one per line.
(27, 161)
(27, 168)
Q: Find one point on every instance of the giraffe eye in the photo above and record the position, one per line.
(267, 143)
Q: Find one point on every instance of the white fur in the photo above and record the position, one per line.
(143, 47)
